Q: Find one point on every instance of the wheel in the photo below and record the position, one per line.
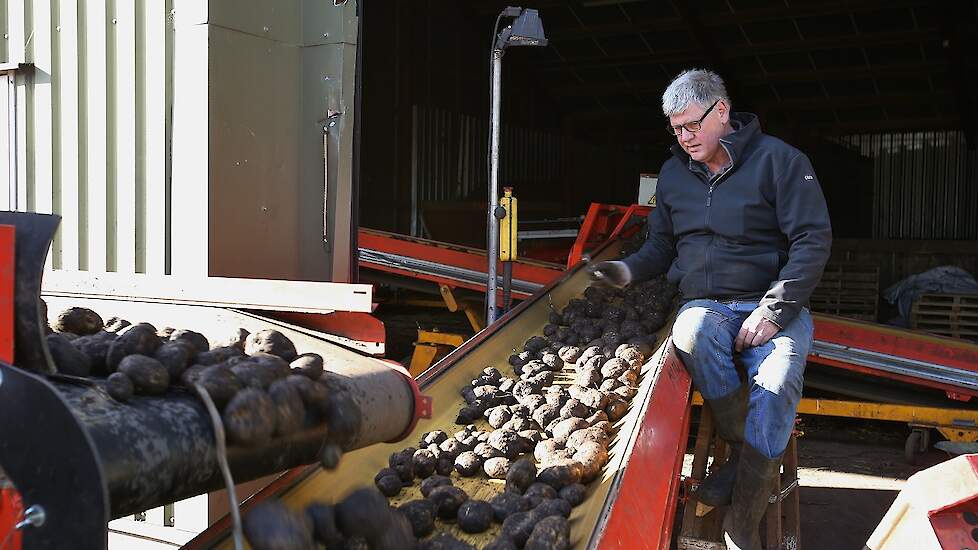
(914, 446)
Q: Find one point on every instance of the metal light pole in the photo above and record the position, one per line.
(526, 30)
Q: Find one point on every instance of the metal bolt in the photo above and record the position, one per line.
(326, 77)
(58, 28)
(173, 11)
(332, 123)
(325, 35)
(6, 36)
(265, 28)
(33, 516)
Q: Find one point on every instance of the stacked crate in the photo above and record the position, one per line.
(954, 315)
(848, 289)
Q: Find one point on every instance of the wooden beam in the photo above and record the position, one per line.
(789, 46)
(723, 19)
(843, 73)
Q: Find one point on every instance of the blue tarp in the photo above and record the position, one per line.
(946, 279)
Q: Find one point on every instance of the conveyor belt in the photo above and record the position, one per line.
(646, 455)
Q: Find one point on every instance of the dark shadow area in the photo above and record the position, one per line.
(840, 518)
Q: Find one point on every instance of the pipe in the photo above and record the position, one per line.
(491, 222)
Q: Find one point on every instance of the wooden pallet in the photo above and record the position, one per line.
(701, 527)
(849, 290)
(953, 315)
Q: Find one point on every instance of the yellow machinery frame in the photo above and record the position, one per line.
(959, 425)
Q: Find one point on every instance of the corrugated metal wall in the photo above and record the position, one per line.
(449, 152)
(95, 118)
(925, 184)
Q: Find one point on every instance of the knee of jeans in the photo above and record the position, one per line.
(784, 379)
(694, 326)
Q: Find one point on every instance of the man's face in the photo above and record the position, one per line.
(704, 144)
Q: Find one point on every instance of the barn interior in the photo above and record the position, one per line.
(880, 95)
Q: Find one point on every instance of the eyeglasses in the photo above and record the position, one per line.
(692, 126)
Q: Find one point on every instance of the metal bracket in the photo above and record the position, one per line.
(332, 118)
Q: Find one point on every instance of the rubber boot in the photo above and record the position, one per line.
(756, 474)
(729, 414)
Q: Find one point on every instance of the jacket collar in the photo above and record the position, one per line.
(745, 125)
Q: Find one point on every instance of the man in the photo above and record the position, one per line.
(741, 226)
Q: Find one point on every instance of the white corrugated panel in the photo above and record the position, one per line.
(94, 117)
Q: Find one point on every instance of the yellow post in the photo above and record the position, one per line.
(507, 227)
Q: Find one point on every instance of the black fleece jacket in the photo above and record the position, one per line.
(757, 231)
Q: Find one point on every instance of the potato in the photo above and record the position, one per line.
(616, 410)
(564, 428)
(615, 367)
(553, 361)
(506, 441)
(270, 341)
(196, 340)
(116, 324)
(119, 387)
(610, 385)
(218, 381)
(78, 320)
(506, 504)
(574, 408)
(445, 465)
(544, 449)
(364, 513)
(175, 356)
(496, 467)
(599, 416)
(329, 457)
(553, 507)
(541, 380)
(289, 410)
(315, 395)
(506, 384)
(498, 415)
(309, 365)
(538, 492)
(562, 474)
(433, 437)
(588, 376)
(628, 378)
(433, 482)
(468, 414)
(468, 464)
(67, 358)
(270, 525)
(520, 476)
(574, 494)
(475, 516)
(631, 354)
(217, 355)
(625, 392)
(249, 418)
(447, 500)
(423, 463)
(389, 485)
(138, 340)
(569, 354)
(421, 514)
(518, 527)
(323, 520)
(551, 533)
(590, 397)
(148, 375)
(593, 456)
(593, 433)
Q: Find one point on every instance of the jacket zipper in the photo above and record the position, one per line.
(709, 201)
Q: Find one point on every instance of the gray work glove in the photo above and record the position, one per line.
(614, 274)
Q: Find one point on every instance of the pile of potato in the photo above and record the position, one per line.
(546, 428)
(262, 386)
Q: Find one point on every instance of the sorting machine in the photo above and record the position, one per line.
(78, 458)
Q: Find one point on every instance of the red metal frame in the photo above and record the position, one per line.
(11, 507)
(603, 223)
(951, 522)
(899, 342)
(643, 505)
(449, 254)
(358, 326)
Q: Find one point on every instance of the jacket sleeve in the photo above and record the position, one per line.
(656, 254)
(804, 219)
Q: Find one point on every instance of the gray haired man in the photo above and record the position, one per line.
(741, 226)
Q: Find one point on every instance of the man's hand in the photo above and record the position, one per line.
(610, 273)
(755, 331)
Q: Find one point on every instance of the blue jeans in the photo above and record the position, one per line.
(704, 335)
